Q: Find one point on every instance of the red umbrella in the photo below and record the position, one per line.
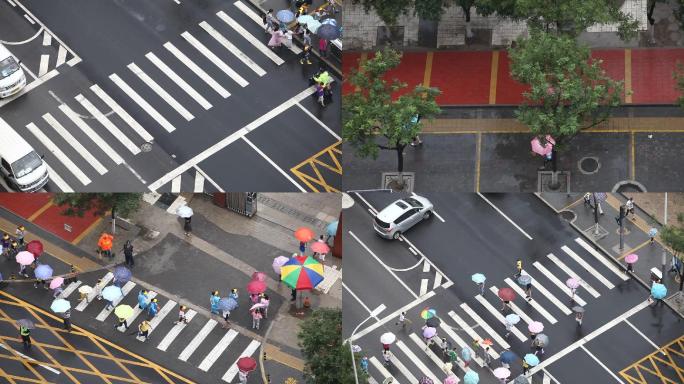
(506, 294)
(259, 276)
(320, 247)
(304, 234)
(256, 286)
(35, 247)
(246, 364)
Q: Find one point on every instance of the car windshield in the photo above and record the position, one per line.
(8, 67)
(26, 164)
(414, 203)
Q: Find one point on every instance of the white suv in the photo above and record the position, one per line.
(401, 215)
(12, 78)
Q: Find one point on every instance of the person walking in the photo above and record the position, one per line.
(323, 47)
(518, 268)
(182, 315)
(578, 318)
(505, 304)
(144, 330)
(630, 268)
(98, 289)
(256, 319)
(364, 364)
(306, 57)
(266, 301)
(152, 309)
(110, 305)
(242, 376)
(226, 323)
(143, 299)
(629, 208)
(5, 242)
(22, 270)
(509, 326)
(277, 37)
(66, 316)
(187, 226)
(538, 347)
(233, 294)
(302, 247)
(20, 233)
(444, 344)
(403, 320)
(320, 98)
(306, 37)
(269, 21)
(587, 199)
(528, 291)
(121, 321)
(486, 357)
(387, 356)
(71, 277)
(57, 291)
(104, 245)
(572, 294)
(525, 367)
(128, 253)
(213, 302)
(25, 334)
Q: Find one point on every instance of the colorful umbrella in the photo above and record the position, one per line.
(429, 332)
(246, 364)
(531, 359)
(487, 342)
(227, 304)
(259, 276)
(60, 306)
(512, 319)
(25, 258)
(506, 294)
(304, 234)
(542, 340)
(184, 211)
(302, 272)
(56, 282)
(524, 279)
(465, 354)
(35, 247)
(502, 373)
(122, 274)
(279, 262)
(572, 283)
(111, 293)
(425, 380)
(331, 229)
(433, 322)
(305, 19)
(452, 379)
(507, 357)
(658, 291)
(652, 232)
(631, 258)
(535, 327)
(285, 15)
(320, 247)
(428, 313)
(43, 272)
(123, 311)
(85, 289)
(388, 338)
(471, 377)
(26, 323)
(578, 309)
(256, 286)
(478, 278)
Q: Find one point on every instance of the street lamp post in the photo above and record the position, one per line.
(664, 259)
(373, 314)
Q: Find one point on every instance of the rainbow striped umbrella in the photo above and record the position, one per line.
(302, 272)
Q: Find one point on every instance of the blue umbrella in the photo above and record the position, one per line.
(328, 32)
(111, 293)
(227, 304)
(653, 232)
(285, 16)
(43, 272)
(471, 377)
(305, 19)
(60, 306)
(329, 20)
(524, 279)
(532, 360)
(507, 357)
(465, 354)
(331, 229)
(658, 291)
(478, 278)
(122, 274)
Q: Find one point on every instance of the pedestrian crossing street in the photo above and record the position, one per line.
(411, 359)
(113, 133)
(201, 342)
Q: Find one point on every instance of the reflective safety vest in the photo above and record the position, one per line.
(519, 264)
(24, 331)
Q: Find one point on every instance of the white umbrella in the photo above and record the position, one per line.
(184, 211)
(387, 338)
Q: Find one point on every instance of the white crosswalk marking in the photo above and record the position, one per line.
(197, 70)
(106, 311)
(61, 156)
(381, 368)
(461, 343)
(91, 296)
(44, 65)
(602, 259)
(199, 182)
(106, 149)
(128, 119)
(483, 324)
(69, 289)
(142, 103)
(416, 361)
(175, 331)
(161, 92)
(230, 374)
(257, 19)
(402, 368)
(61, 55)
(515, 308)
(471, 332)
(232, 48)
(197, 340)
(104, 120)
(201, 48)
(57, 179)
(69, 138)
(571, 273)
(423, 287)
(438, 280)
(538, 287)
(218, 349)
(533, 302)
(136, 309)
(182, 84)
(176, 184)
(561, 285)
(163, 312)
(588, 267)
(497, 314)
(371, 380)
(250, 38)
(438, 362)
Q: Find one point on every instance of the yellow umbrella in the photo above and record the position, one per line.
(123, 311)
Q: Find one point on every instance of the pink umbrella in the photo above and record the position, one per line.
(259, 276)
(429, 332)
(545, 149)
(320, 247)
(25, 258)
(56, 282)
(256, 286)
(279, 262)
(452, 379)
(572, 283)
(631, 258)
(535, 327)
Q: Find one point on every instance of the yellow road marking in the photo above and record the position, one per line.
(638, 222)
(314, 162)
(87, 231)
(628, 76)
(478, 152)
(632, 166)
(653, 362)
(638, 247)
(581, 199)
(493, 77)
(274, 353)
(40, 211)
(427, 76)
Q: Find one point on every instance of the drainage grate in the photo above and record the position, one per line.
(280, 207)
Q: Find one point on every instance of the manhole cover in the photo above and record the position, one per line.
(568, 215)
(589, 165)
(146, 147)
(629, 186)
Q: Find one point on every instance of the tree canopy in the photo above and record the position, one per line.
(320, 338)
(673, 237)
(77, 204)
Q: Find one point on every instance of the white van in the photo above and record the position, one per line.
(12, 78)
(22, 168)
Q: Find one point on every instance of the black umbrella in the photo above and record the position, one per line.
(433, 322)
(328, 32)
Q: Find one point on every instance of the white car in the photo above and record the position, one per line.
(20, 165)
(12, 78)
(401, 215)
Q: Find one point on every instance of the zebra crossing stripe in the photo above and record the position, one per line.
(61, 184)
(91, 296)
(515, 308)
(250, 38)
(91, 133)
(418, 363)
(230, 374)
(176, 184)
(127, 118)
(137, 311)
(561, 285)
(232, 48)
(105, 312)
(104, 120)
(61, 156)
(471, 332)
(44, 65)
(157, 319)
(197, 340)
(66, 135)
(461, 343)
(61, 55)
(497, 314)
(602, 259)
(535, 304)
(487, 328)
(570, 273)
(142, 103)
(588, 267)
(381, 368)
(218, 349)
(402, 368)
(257, 19)
(438, 280)
(197, 70)
(214, 59)
(161, 92)
(199, 182)
(371, 380)
(182, 84)
(429, 352)
(538, 287)
(175, 331)
(70, 289)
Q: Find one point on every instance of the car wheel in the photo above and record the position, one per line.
(396, 235)
(427, 215)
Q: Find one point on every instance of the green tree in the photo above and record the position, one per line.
(387, 10)
(77, 204)
(679, 85)
(569, 91)
(320, 339)
(673, 237)
(372, 120)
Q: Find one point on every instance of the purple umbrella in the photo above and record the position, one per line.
(429, 332)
